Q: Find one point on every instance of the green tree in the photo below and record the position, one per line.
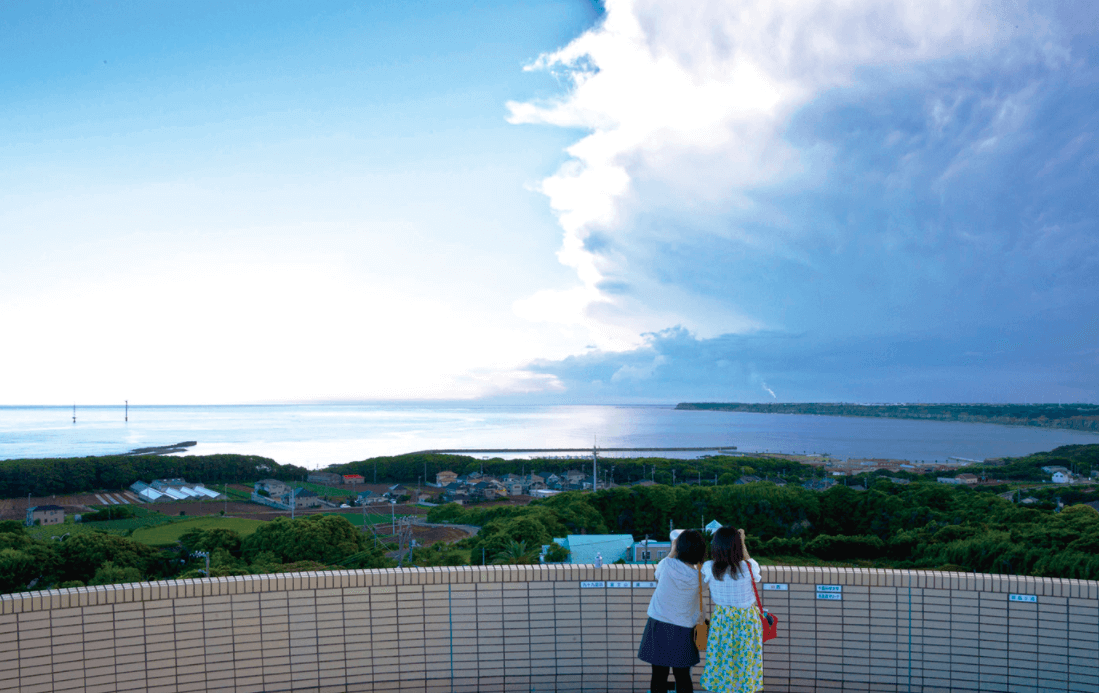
(439, 554)
(516, 553)
(83, 554)
(326, 539)
(211, 540)
(557, 553)
(111, 574)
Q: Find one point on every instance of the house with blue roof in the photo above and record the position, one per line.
(585, 548)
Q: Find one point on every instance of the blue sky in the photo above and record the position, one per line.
(548, 201)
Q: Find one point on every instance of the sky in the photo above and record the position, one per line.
(555, 201)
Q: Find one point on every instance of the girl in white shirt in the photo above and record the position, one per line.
(734, 651)
(673, 612)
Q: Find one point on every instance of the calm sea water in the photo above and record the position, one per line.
(318, 435)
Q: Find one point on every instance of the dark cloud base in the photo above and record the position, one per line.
(1035, 363)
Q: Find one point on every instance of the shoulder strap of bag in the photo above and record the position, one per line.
(700, 610)
(752, 579)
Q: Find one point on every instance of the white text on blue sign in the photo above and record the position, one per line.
(644, 583)
(1022, 598)
(776, 586)
(618, 584)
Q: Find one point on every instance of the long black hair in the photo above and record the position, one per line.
(690, 547)
(727, 551)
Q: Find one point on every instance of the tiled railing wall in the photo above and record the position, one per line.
(539, 628)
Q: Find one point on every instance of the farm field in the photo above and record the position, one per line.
(170, 533)
(356, 518)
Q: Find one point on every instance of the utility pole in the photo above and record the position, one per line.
(595, 466)
(393, 515)
(127, 410)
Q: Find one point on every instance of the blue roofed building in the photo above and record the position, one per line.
(584, 548)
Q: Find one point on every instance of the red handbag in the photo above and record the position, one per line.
(768, 621)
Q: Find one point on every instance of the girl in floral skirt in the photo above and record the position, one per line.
(734, 652)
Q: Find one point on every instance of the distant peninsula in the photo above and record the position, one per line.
(1078, 417)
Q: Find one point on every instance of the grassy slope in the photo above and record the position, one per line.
(170, 533)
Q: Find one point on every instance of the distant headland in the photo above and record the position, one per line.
(1078, 417)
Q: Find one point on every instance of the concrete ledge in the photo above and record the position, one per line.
(554, 627)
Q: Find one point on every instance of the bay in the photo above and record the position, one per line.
(315, 435)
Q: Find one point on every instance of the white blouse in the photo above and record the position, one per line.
(732, 590)
(675, 600)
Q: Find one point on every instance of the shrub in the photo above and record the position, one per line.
(841, 547)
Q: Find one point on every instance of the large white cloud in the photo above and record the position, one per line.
(687, 109)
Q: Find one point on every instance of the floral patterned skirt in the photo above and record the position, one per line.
(734, 651)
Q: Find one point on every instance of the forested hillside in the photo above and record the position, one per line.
(918, 525)
(316, 542)
(1080, 417)
(57, 476)
(726, 469)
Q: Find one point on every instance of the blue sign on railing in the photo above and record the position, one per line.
(596, 583)
(644, 584)
(830, 592)
(1023, 598)
(776, 586)
(617, 583)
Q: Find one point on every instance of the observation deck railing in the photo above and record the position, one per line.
(539, 628)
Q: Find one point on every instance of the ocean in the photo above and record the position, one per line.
(316, 435)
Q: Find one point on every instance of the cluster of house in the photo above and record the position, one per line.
(164, 490)
(1062, 475)
(476, 486)
(333, 479)
(960, 480)
(1058, 475)
(279, 494)
(393, 494)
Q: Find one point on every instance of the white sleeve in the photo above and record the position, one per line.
(707, 571)
(659, 569)
(756, 574)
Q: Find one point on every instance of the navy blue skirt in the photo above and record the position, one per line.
(667, 645)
